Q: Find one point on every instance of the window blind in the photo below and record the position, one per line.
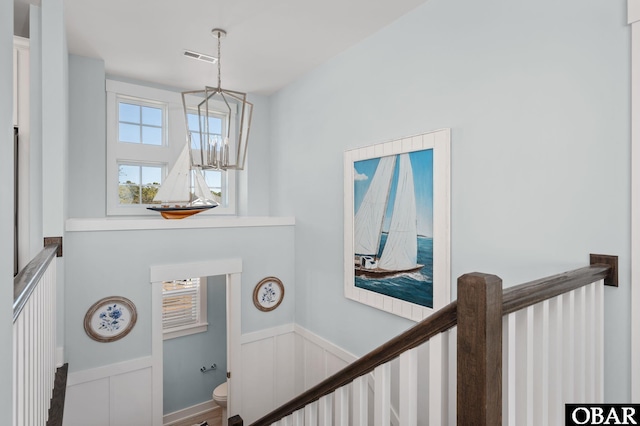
(180, 303)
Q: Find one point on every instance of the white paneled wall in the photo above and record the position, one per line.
(117, 394)
(281, 362)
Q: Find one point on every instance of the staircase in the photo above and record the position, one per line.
(38, 387)
(494, 356)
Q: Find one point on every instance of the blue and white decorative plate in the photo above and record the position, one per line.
(110, 319)
(268, 294)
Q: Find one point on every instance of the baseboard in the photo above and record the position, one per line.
(185, 413)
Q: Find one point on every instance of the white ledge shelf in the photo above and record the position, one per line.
(143, 223)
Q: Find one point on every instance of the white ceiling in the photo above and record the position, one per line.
(270, 43)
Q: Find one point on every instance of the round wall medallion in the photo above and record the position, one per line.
(110, 319)
(268, 294)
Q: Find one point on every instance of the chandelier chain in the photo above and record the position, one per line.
(219, 80)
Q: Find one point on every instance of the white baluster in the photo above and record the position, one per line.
(524, 370)
(409, 388)
(568, 348)
(509, 370)
(298, 417)
(19, 329)
(452, 353)
(325, 410)
(341, 401)
(579, 342)
(360, 401)
(287, 421)
(590, 343)
(437, 379)
(556, 407)
(382, 396)
(311, 414)
(540, 362)
(598, 332)
(31, 356)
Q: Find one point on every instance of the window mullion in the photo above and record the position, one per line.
(140, 186)
(141, 141)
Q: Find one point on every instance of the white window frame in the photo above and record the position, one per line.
(198, 327)
(165, 155)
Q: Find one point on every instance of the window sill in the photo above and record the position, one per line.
(184, 331)
(144, 223)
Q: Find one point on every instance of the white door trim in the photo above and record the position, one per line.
(232, 268)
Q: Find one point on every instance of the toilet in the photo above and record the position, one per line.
(220, 398)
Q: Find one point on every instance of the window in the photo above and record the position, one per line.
(145, 134)
(195, 128)
(138, 123)
(184, 307)
(138, 184)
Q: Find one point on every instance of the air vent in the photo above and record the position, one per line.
(199, 56)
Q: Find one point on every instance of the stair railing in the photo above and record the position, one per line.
(34, 338)
(552, 325)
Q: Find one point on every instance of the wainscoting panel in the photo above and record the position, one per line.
(118, 394)
(268, 357)
(281, 362)
(317, 359)
(131, 398)
(285, 372)
(259, 378)
(85, 403)
(278, 363)
(315, 365)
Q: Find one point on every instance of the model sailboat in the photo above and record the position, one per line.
(400, 253)
(175, 192)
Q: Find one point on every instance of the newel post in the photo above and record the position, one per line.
(479, 392)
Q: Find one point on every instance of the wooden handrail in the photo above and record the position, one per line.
(513, 299)
(528, 294)
(25, 282)
(441, 321)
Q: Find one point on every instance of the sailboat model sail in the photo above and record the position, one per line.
(400, 251)
(175, 191)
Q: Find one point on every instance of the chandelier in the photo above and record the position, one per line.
(218, 123)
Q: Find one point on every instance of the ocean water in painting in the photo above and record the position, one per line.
(414, 287)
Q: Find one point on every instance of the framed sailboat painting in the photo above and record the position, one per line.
(397, 209)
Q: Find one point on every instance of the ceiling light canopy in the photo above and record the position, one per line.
(219, 138)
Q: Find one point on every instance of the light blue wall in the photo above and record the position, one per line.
(35, 137)
(537, 96)
(6, 192)
(116, 263)
(87, 132)
(253, 182)
(183, 383)
(55, 132)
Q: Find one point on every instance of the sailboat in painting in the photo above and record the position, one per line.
(400, 253)
(177, 201)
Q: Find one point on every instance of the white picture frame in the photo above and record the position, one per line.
(403, 292)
